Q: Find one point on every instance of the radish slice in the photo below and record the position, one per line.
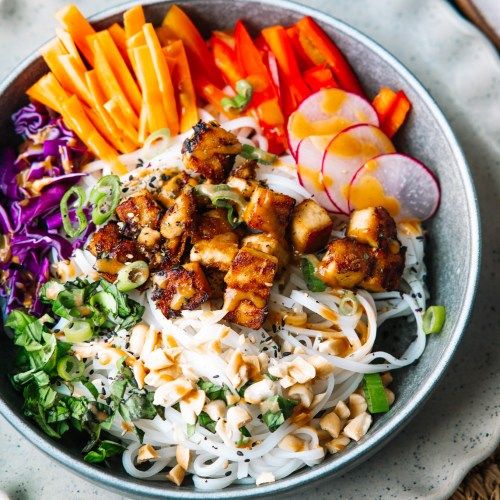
(346, 153)
(401, 184)
(327, 112)
(309, 158)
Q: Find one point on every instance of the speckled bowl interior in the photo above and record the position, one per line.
(452, 252)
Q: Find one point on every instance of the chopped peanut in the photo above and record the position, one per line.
(331, 422)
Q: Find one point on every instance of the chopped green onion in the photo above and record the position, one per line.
(150, 149)
(69, 368)
(78, 331)
(374, 389)
(240, 101)
(132, 276)
(104, 301)
(348, 304)
(434, 319)
(308, 266)
(71, 231)
(253, 153)
(222, 196)
(105, 196)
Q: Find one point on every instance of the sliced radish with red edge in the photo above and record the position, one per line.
(309, 158)
(346, 153)
(328, 112)
(401, 184)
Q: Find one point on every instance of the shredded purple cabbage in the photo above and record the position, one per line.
(30, 219)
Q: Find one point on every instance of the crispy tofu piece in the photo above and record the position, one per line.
(387, 271)
(217, 252)
(268, 211)
(216, 280)
(182, 287)
(210, 224)
(244, 186)
(269, 244)
(244, 169)
(249, 282)
(104, 239)
(373, 226)
(178, 219)
(310, 227)
(126, 251)
(140, 210)
(148, 237)
(346, 263)
(172, 187)
(173, 251)
(210, 151)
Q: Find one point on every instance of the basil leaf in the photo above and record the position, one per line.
(205, 421)
(212, 391)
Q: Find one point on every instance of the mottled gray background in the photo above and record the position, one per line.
(459, 426)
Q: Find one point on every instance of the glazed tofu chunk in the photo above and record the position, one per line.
(269, 244)
(140, 210)
(217, 252)
(268, 211)
(310, 227)
(210, 151)
(244, 186)
(346, 263)
(104, 239)
(387, 270)
(373, 226)
(172, 187)
(244, 169)
(210, 224)
(182, 287)
(179, 217)
(249, 282)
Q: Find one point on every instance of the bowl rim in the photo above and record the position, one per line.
(380, 437)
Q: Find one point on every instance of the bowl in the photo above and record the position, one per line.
(453, 249)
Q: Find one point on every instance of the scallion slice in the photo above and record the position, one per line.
(434, 319)
(132, 276)
(253, 153)
(375, 396)
(240, 101)
(348, 304)
(104, 301)
(78, 331)
(69, 368)
(70, 230)
(105, 196)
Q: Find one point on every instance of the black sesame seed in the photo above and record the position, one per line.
(247, 460)
(239, 453)
(286, 354)
(418, 310)
(125, 189)
(130, 177)
(228, 473)
(91, 372)
(216, 376)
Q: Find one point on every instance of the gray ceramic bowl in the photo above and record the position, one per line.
(452, 254)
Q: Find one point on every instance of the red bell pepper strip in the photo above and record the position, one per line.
(319, 77)
(320, 49)
(294, 89)
(392, 108)
(302, 58)
(182, 28)
(265, 100)
(226, 62)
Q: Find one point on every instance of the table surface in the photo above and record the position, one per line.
(460, 424)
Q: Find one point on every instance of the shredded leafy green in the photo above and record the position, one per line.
(205, 421)
(105, 450)
(222, 196)
(213, 391)
(274, 419)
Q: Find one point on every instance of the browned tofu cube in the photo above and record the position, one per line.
(310, 227)
(217, 252)
(210, 224)
(346, 263)
(387, 270)
(243, 186)
(140, 210)
(373, 226)
(249, 282)
(269, 244)
(104, 239)
(216, 280)
(172, 187)
(268, 211)
(210, 151)
(183, 287)
(178, 219)
(244, 169)
(173, 251)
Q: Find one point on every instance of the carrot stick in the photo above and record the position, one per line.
(109, 83)
(75, 117)
(69, 44)
(145, 73)
(76, 76)
(114, 109)
(143, 125)
(163, 78)
(118, 35)
(120, 69)
(112, 133)
(178, 66)
(133, 20)
(79, 28)
(48, 91)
